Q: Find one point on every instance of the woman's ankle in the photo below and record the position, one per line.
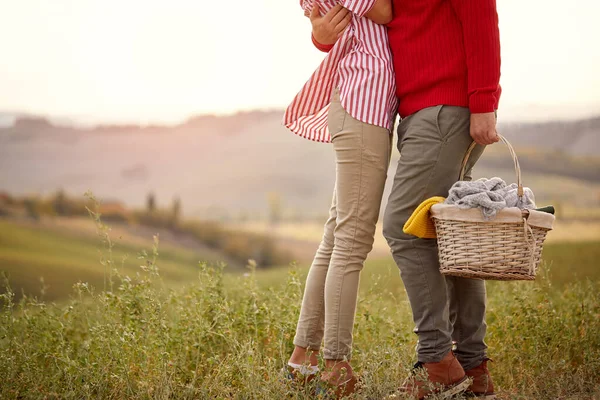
(303, 356)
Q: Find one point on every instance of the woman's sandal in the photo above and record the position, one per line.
(297, 376)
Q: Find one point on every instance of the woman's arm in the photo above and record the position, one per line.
(328, 28)
(381, 12)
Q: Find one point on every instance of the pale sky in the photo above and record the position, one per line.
(148, 61)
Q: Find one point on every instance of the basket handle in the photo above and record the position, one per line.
(512, 153)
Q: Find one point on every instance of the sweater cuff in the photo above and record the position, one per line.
(483, 102)
(323, 47)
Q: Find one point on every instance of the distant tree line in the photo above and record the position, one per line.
(237, 246)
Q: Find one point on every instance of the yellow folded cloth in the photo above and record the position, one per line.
(420, 223)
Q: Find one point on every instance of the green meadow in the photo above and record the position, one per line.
(151, 323)
(30, 253)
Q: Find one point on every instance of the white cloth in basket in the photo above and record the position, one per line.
(490, 195)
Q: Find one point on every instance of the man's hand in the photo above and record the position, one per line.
(328, 28)
(483, 128)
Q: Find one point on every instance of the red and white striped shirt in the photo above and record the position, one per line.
(359, 65)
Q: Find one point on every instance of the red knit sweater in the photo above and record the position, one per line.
(446, 52)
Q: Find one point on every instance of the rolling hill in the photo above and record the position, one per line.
(225, 166)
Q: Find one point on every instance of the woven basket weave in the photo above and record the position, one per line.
(508, 247)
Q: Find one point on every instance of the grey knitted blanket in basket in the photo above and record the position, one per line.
(490, 195)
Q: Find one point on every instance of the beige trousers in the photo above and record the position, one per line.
(362, 154)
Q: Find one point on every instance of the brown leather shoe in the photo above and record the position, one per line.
(482, 386)
(444, 379)
(339, 390)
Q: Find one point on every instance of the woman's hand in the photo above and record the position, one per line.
(328, 28)
(381, 13)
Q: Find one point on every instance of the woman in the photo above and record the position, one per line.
(350, 102)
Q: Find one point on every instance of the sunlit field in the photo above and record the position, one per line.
(300, 237)
(226, 334)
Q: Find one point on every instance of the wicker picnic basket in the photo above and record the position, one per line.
(508, 247)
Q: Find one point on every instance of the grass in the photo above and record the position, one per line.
(61, 258)
(572, 262)
(226, 336)
(214, 340)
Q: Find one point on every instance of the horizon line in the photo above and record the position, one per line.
(78, 122)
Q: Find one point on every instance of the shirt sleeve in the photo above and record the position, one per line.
(305, 5)
(358, 7)
(481, 35)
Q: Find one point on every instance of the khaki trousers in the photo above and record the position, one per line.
(432, 143)
(362, 153)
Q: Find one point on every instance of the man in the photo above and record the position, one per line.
(447, 64)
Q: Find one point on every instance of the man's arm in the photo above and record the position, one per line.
(381, 12)
(378, 11)
(479, 20)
